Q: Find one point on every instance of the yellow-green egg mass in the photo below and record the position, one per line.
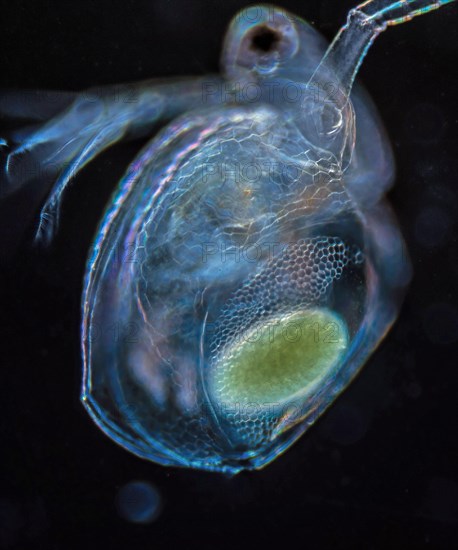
(285, 358)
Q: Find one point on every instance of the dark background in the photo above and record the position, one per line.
(380, 469)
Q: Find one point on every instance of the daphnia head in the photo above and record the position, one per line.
(265, 42)
(275, 57)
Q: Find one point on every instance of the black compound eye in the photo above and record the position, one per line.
(265, 39)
